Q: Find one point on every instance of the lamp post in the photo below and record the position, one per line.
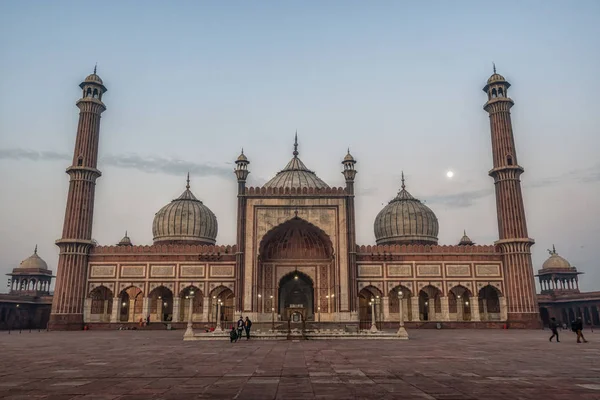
(319, 311)
(218, 327)
(401, 331)
(189, 332)
(373, 325)
(273, 319)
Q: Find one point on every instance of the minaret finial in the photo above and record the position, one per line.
(187, 186)
(125, 233)
(494, 64)
(296, 144)
(242, 150)
(464, 232)
(35, 250)
(348, 150)
(403, 185)
(95, 67)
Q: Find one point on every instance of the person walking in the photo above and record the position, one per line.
(554, 329)
(240, 326)
(578, 329)
(247, 326)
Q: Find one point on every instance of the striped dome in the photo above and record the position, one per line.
(296, 175)
(185, 220)
(405, 220)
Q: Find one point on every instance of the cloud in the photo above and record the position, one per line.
(149, 164)
(461, 199)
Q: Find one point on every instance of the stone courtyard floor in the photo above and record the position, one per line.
(445, 364)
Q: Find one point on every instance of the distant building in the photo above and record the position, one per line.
(29, 301)
(561, 298)
(296, 252)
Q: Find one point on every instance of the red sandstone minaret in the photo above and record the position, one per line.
(76, 242)
(512, 227)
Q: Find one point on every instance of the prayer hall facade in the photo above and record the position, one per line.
(295, 254)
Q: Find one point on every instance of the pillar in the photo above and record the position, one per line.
(87, 309)
(385, 303)
(445, 315)
(474, 303)
(114, 317)
(503, 309)
(176, 312)
(145, 307)
(131, 316)
(105, 315)
(415, 309)
(486, 317)
(460, 309)
(205, 308)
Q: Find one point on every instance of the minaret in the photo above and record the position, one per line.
(76, 242)
(241, 173)
(513, 241)
(349, 174)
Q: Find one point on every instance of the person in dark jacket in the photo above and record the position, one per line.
(554, 329)
(233, 336)
(578, 329)
(240, 327)
(247, 326)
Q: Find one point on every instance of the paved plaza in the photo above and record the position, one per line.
(445, 364)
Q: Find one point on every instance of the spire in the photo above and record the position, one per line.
(464, 232)
(296, 145)
(553, 251)
(494, 64)
(125, 233)
(35, 250)
(187, 186)
(403, 185)
(95, 67)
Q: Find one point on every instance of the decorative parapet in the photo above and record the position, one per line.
(279, 191)
(389, 250)
(166, 248)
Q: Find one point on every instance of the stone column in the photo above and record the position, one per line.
(385, 303)
(486, 317)
(445, 308)
(130, 317)
(474, 303)
(189, 332)
(159, 309)
(460, 309)
(415, 309)
(205, 310)
(503, 309)
(105, 316)
(176, 312)
(87, 309)
(114, 317)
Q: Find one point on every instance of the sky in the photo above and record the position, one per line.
(400, 83)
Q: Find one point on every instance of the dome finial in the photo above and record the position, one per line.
(553, 251)
(35, 250)
(187, 186)
(494, 64)
(464, 232)
(125, 233)
(95, 67)
(296, 144)
(403, 185)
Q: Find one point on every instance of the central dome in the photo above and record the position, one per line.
(296, 175)
(405, 220)
(185, 220)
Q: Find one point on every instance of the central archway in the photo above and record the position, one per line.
(296, 294)
(296, 260)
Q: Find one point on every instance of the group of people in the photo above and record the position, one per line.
(238, 331)
(576, 326)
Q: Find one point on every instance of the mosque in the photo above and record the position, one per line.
(295, 252)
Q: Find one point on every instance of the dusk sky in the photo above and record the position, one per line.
(400, 83)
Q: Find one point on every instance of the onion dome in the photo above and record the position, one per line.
(242, 158)
(555, 261)
(296, 175)
(405, 220)
(126, 241)
(33, 262)
(185, 220)
(465, 240)
(349, 157)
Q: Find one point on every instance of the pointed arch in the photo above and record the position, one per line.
(102, 300)
(184, 302)
(161, 303)
(296, 238)
(489, 303)
(406, 302)
(430, 305)
(296, 290)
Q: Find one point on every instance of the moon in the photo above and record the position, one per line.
(449, 174)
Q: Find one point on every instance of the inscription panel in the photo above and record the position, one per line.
(458, 270)
(192, 271)
(103, 271)
(429, 270)
(133, 271)
(487, 270)
(162, 271)
(222, 271)
(404, 270)
(370, 271)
